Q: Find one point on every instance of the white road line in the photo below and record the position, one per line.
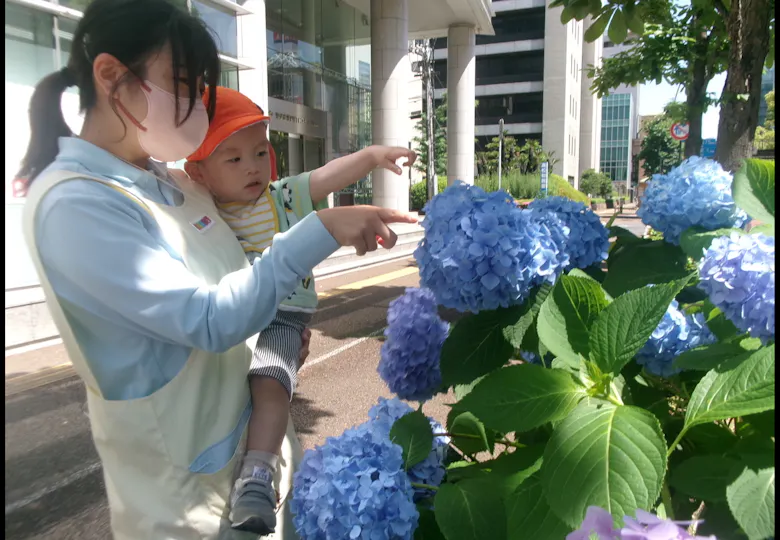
(71, 478)
(339, 350)
(32, 346)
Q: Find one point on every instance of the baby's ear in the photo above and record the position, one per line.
(193, 170)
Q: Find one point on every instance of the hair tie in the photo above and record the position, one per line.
(68, 77)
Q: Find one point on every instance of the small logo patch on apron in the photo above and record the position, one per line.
(203, 224)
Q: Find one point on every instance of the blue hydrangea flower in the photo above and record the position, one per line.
(481, 252)
(676, 333)
(430, 471)
(533, 358)
(647, 526)
(738, 274)
(353, 487)
(415, 333)
(697, 193)
(558, 256)
(587, 241)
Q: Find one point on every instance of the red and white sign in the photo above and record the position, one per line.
(680, 131)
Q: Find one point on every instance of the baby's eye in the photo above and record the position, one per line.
(234, 160)
(263, 153)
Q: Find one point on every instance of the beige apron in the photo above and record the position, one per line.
(165, 476)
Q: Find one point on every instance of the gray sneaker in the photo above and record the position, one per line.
(253, 504)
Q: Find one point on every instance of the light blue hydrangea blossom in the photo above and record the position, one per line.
(354, 486)
(415, 333)
(598, 524)
(431, 470)
(738, 274)
(481, 252)
(587, 240)
(676, 333)
(696, 193)
(534, 358)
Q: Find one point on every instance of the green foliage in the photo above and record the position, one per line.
(412, 432)
(595, 184)
(526, 159)
(439, 140)
(528, 186)
(419, 192)
(660, 152)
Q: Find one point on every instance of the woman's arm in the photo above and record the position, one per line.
(101, 247)
(347, 170)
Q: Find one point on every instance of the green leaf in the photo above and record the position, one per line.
(427, 529)
(475, 440)
(633, 21)
(626, 324)
(604, 455)
(718, 324)
(514, 333)
(696, 240)
(753, 189)
(476, 346)
(766, 230)
(707, 357)
(620, 232)
(567, 14)
(705, 477)
(522, 397)
(617, 27)
(530, 516)
(738, 387)
(638, 264)
(412, 432)
(711, 439)
(752, 501)
(470, 510)
(462, 390)
(597, 27)
(567, 315)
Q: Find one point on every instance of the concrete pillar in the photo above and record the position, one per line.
(295, 155)
(389, 103)
(461, 80)
(308, 34)
(252, 49)
(590, 117)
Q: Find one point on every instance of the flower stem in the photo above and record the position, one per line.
(424, 486)
(666, 497)
(505, 442)
(673, 446)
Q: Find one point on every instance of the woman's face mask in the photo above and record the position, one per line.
(158, 133)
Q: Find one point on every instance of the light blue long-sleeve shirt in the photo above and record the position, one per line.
(135, 309)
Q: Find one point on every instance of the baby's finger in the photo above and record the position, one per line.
(386, 234)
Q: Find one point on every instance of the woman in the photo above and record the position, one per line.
(149, 289)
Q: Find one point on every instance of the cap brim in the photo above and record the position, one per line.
(218, 136)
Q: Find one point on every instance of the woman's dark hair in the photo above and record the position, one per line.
(131, 31)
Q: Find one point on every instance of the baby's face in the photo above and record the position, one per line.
(239, 170)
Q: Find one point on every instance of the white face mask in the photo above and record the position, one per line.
(158, 133)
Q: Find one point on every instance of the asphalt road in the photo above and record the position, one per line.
(53, 484)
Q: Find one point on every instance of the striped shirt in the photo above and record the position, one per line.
(255, 224)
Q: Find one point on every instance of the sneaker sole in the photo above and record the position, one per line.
(254, 525)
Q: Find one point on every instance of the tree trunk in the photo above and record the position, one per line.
(696, 94)
(748, 28)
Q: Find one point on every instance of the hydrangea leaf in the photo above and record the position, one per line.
(754, 189)
(766, 229)
(470, 510)
(738, 387)
(462, 390)
(522, 397)
(696, 240)
(707, 357)
(468, 434)
(626, 324)
(604, 455)
(526, 315)
(717, 322)
(427, 528)
(530, 516)
(412, 432)
(476, 346)
(751, 499)
(640, 264)
(567, 315)
(705, 477)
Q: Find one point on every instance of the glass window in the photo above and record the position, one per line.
(29, 45)
(79, 5)
(223, 25)
(228, 76)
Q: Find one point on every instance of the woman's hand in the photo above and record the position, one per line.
(362, 226)
(305, 340)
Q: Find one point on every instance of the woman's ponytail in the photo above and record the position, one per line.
(47, 124)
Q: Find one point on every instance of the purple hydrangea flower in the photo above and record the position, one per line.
(481, 252)
(409, 362)
(697, 193)
(676, 333)
(738, 274)
(647, 526)
(354, 486)
(587, 241)
(597, 522)
(431, 470)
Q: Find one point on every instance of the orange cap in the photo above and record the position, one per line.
(233, 112)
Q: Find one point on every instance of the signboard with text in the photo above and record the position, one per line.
(708, 147)
(545, 172)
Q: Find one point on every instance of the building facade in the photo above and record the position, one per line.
(333, 74)
(767, 85)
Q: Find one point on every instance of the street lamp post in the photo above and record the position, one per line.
(500, 149)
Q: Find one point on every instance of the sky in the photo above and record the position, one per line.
(653, 97)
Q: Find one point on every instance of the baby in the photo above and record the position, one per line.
(235, 162)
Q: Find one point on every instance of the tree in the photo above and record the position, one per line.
(750, 25)
(660, 151)
(525, 159)
(765, 135)
(596, 184)
(440, 140)
(682, 45)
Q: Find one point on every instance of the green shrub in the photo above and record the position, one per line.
(559, 186)
(419, 192)
(597, 200)
(527, 186)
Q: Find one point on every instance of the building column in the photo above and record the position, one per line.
(252, 49)
(389, 104)
(461, 87)
(295, 156)
(590, 105)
